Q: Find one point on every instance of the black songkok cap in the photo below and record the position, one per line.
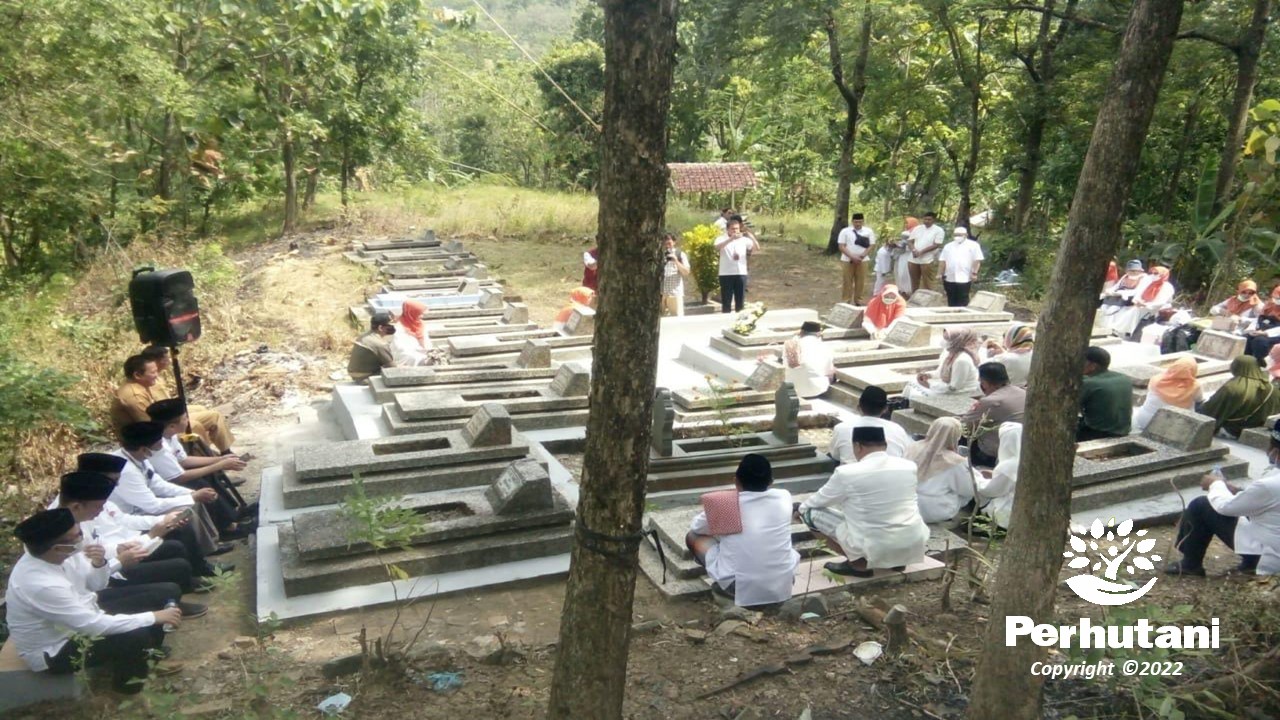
(85, 486)
(141, 434)
(810, 327)
(166, 411)
(755, 467)
(869, 435)
(45, 526)
(100, 463)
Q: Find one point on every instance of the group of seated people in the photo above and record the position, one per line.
(128, 534)
(392, 341)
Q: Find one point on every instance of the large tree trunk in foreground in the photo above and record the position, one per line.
(1247, 53)
(591, 664)
(1028, 574)
(852, 97)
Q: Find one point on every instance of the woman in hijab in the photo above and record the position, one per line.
(995, 493)
(882, 310)
(1153, 293)
(1015, 354)
(1264, 333)
(1177, 387)
(1273, 363)
(1118, 297)
(583, 297)
(957, 369)
(944, 480)
(410, 342)
(1246, 401)
(1244, 305)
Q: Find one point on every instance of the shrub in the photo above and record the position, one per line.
(700, 245)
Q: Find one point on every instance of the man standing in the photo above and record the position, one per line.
(855, 243)
(370, 353)
(735, 246)
(1000, 403)
(722, 222)
(868, 510)
(924, 243)
(961, 259)
(675, 268)
(1106, 399)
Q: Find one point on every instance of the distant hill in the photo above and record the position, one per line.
(537, 24)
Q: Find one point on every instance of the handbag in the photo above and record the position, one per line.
(724, 514)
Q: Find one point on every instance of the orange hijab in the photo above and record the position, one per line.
(1153, 288)
(411, 319)
(581, 296)
(912, 223)
(882, 312)
(1272, 309)
(1113, 272)
(1177, 385)
(1236, 306)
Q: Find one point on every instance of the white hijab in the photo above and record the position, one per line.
(1010, 453)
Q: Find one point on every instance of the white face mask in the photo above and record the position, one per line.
(1242, 298)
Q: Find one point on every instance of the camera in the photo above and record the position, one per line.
(671, 255)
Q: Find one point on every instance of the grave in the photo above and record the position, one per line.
(560, 403)
(477, 272)
(923, 298)
(20, 687)
(1142, 374)
(426, 240)
(481, 348)
(768, 338)
(1220, 345)
(1259, 437)
(408, 379)
(987, 301)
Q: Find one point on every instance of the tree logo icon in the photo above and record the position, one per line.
(1120, 551)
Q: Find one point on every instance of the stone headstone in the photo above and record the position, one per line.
(523, 487)
(536, 353)
(767, 376)
(581, 322)
(987, 301)
(786, 414)
(1183, 429)
(452, 264)
(927, 298)
(1220, 345)
(490, 299)
(479, 271)
(469, 286)
(664, 418)
(429, 236)
(515, 313)
(489, 427)
(846, 316)
(905, 333)
(572, 380)
(453, 245)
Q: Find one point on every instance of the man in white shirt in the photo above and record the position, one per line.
(924, 243)
(808, 362)
(871, 407)
(961, 260)
(174, 465)
(722, 222)
(757, 565)
(735, 246)
(868, 510)
(855, 243)
(51, 599)
(1247, 521)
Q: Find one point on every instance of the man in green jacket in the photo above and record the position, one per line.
(1106, 399)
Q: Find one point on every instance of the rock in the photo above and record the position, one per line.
(727, 627)
(697, 637)
(645, 627)
(738, 613)
(482, 646)
(338, 667)
(210, 708)
(226, 655)
(750, 633)
(244, 642)
(816, 604)
(792, 609)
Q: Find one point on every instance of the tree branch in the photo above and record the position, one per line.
(1206, 36)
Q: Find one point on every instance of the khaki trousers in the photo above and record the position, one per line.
(923, 276)
(853, 289)
(211, 426)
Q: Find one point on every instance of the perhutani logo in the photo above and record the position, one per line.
(1112, 551)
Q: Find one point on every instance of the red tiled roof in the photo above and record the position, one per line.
(711, 177)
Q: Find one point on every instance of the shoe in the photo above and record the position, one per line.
(160, 653)
(240, 533)
(1177, 568)
(168, 669)
(222, 549)
(236, 482)
(213, 568)
(249, 511)
(192, 610)
(845, 568)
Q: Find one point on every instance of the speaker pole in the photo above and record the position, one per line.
(177, 378)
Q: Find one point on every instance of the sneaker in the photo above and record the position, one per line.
(222, 549)
(1177, 568)
(250, 510)
(847, 569)
(192, 610)
(240, 533)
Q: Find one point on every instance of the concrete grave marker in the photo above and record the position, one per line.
(523, 487)
(1183, 429)
(469, 286)
(491, 299)
(581, 322)
(767, 376)
(572, 380)
(429, 236)
(515, 313)
(453, 245)
(478, 271)
(1220, 345)
(786, 413)
(927, 298)
(489, 427)
(664, 418)
(905, 333)
(536, 353)
(987, 301)
(846, 316)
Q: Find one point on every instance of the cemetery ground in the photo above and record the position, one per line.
(277, 330)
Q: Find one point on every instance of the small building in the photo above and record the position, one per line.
(703, 178)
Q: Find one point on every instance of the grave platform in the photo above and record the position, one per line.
(568, 390)
(426, 240)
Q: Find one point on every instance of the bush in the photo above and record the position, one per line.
(700, 245)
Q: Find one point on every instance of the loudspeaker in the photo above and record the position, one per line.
(165, 311)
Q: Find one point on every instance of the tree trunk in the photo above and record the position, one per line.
(1189, 120)
(1027, 577)
(1247, 53)
(290, 182)
(1031, 158)
(313, 177)
(345, 183)
(591, 663)
(852, 97)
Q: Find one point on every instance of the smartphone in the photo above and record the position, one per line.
(186, 514)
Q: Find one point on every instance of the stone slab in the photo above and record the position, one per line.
(1182, 429)
(937, 406)
(844, 315)
(1220, 345)
(20, 687)
(663, 422)
(490, 426)
(764, 336)
(786, 411)
(907, 333)
(926, 298)
(1142, 371)
(572, 380)
(523, 488)
(397, 424)
(514, 313)
(534, 354)
(1259, 437)
(987, 301)
(767, 376)
(425, 241)
(1138, 455)
(498, 342)
(730, 395)
(297, 494)
(581, 322)
(430, 405)
(876, 353)
(342, 459)
(399, 377)
(892, 378)
(956, 316)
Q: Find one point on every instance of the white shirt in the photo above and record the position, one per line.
(882, 520)
(1258, 507)
(1018, 365)
(997, 494)
(964, 377)
(884, 260)
(588, 260)
(759, 562)
(722, 222)
(1150, 406)
(842, 437)
(846, 242)
(813, 376)
(49, 603)
(168, 462)
(143, 491)
(405, 348)
(733, 256)
(941, 496)
(922, 237)
(961, 257)
(114, 526)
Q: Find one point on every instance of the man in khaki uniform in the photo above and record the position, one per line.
(370, 352)
(143, 386)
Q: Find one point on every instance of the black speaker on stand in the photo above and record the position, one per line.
(165, 312)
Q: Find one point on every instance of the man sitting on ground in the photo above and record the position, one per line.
(871, 407)
(209, 424)
(756, 564)
(1106, 399)
(176, 466)
(1247, 521)
(51, 600)
(1000, 403)
(868, 510)
(808, 362)
(371, 352)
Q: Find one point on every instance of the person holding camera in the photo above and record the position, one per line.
(675, 268)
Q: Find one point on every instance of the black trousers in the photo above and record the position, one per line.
(185, 536)
(979, 458)
(166, 564)
(733, 291)
(222, 511)
(1200, 523)
(957, 293)
(138, 598)
(126, 654)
